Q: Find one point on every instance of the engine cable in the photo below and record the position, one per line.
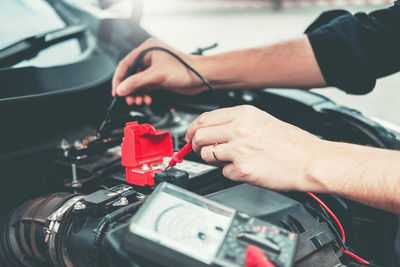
(360, 260)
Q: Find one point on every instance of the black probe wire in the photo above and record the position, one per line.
(140, 57)
(107, 116)
(134, 68)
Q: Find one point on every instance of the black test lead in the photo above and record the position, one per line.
(133, 69)
(107, 116)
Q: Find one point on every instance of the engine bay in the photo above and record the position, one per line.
(71, 196)
(67, 202)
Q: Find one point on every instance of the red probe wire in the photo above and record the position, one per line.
(340, 227)
(178, 156)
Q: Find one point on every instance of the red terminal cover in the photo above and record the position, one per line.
(141, 147)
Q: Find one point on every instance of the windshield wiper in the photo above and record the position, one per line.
(31, 46)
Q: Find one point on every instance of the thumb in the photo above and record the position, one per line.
(149, 78)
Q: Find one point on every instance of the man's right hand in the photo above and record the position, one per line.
(159, 70)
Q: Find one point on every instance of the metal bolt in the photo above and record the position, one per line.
(175, 117)
(123, 201)
(140, 196)
(79, 206)
(65, 146)
(74, 183)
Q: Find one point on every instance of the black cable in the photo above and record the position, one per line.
(330, 224)
(338, 237)
(103, 225)
(136, 64)
(107, 116)
(134, 68)
(362, 264)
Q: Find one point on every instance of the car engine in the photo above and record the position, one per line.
(69, 198)
(69, 204)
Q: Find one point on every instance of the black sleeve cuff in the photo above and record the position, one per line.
(338, 57)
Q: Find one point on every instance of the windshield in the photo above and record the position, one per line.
(22, 18)
(239, 24)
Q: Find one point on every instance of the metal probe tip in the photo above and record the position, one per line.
(167, 168)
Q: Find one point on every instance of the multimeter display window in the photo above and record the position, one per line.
(183, 222)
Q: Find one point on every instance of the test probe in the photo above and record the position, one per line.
(134, 68)
(178, 156)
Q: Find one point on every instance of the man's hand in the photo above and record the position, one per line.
(159, 70)
(254, 147)
(286, 64)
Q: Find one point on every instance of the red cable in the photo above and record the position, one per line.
(354, 256)
(330, 213)
(340, 227)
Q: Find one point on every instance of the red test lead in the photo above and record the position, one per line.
(178, 156)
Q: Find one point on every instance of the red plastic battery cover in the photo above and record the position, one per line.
(141, 148)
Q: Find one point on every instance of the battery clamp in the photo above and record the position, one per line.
(143, 150)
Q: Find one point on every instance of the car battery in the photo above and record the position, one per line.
(145, 153)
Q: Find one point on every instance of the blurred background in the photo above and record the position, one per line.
(237, 24)
(233, 24)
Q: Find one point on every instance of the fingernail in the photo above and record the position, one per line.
(121, 89)
(147, 100)
(139, 100)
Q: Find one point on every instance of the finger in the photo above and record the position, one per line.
(130, 100)
(239, 172)
(212, 118)
(146, 79)
(221, 151)
(147, 100)
(123, 67)
(210, 136)
(138, 100)
(229, 171)
(147, 60)
(119, 75)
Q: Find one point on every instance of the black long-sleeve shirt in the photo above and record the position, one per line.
(352, 51)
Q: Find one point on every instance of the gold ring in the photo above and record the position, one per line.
(213, 152)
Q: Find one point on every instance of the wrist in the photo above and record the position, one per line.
(317, 167)
(222, 71)
(332, 169)
(201, 65)
(207, 67)
(364, 174)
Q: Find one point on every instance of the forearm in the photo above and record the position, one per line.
(364, 174)
(289, 64)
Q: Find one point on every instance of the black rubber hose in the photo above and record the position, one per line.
(107, 220)
(22, 236)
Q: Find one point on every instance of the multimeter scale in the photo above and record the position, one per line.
(175, 227)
